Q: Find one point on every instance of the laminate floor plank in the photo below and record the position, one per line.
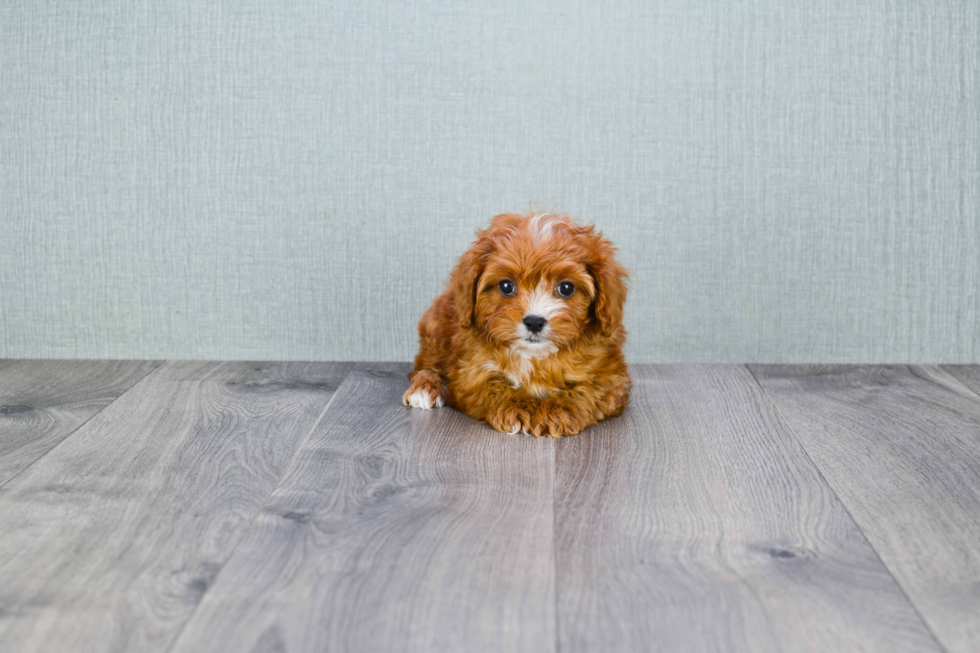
(968, 375)
(395, 529)
(110, 540)
(695, 522)
(901, 448)
(43, 401)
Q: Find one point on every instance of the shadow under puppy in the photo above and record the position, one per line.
(528, 334)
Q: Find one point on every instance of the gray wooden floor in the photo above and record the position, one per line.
(202, 506)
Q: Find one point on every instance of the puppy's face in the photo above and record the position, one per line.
(537, 284)
(533, 308)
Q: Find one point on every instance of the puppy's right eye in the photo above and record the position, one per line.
(506, 287)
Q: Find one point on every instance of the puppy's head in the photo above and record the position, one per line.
(537, 283)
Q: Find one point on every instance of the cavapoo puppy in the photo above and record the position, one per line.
(528, 334)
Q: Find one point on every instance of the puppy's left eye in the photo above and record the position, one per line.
(565, 289)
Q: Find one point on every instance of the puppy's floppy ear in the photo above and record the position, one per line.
(466, 276)
(610, 285)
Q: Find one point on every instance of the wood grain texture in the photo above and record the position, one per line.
(394, 530)
(43, 402)
(109, 541)
(968, 375)
(696, 523)
(901, 448)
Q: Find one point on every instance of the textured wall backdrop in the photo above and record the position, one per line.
(788, 181)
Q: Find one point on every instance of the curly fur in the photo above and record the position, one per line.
(475, 355)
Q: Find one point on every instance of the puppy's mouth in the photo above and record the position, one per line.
(533, 345)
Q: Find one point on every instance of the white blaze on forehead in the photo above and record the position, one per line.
(542, 302)
(540, 225)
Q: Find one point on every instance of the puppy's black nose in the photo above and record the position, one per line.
(534, 323)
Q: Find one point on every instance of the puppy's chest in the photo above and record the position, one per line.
(524, 374)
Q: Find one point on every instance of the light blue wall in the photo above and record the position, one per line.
(788, 181)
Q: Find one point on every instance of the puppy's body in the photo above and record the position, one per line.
(528, 334)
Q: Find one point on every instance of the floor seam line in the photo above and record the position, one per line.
(554, 535)
(961, 381)
(847, 510)
(80, 426)
(265, 502)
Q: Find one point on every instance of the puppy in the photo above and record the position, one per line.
(528, 334)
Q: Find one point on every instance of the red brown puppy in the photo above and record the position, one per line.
(528, 334)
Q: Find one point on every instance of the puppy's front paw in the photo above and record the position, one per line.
(556, 419)
(426, 392)
(511, 419)
(422, 399)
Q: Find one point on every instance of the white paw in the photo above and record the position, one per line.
(423, 400)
